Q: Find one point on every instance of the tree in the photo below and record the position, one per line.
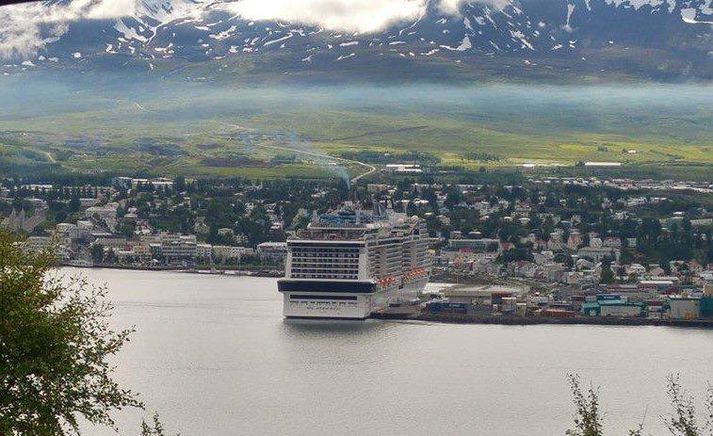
(110, 256)
(589, 420)
(125, 228)
(665, 264)
(74, 203)
(55, 342)
(153, 429)
(516, 253)
(453, 197)
(682, 422)
(565, 259)
(300, 222)
(607, 275)
(97, 251)
(179, 184)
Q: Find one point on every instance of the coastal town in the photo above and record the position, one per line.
(547, 248)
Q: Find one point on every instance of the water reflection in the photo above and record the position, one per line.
(320, 328)
(214, 356)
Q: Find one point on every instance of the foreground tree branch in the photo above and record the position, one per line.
(55, 345)
(683, 421)
(588, 420)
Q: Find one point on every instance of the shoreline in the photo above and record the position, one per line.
(442, 318)
(453, 318)
(256, 272)
(444, 279)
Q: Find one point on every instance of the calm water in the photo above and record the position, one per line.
(213, 355)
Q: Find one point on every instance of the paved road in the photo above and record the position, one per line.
(370, 168)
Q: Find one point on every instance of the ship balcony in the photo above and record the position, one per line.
(326, 286)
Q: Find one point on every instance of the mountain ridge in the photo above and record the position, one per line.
(663, 40)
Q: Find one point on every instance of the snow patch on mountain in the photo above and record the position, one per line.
(128, 32)
(464, 45)
(637, 4)
(570, 11)
(209, 30)
(689, 15)
(275, 41)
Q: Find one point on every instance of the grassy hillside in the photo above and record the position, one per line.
(173, 127)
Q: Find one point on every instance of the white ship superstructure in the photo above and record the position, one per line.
(349, 264)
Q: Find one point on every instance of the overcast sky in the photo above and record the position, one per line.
(26, 27)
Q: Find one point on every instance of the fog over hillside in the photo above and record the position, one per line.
(674, 114)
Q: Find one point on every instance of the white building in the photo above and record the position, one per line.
(621, 309)
(106, 213)
(67, 230)
(224, 252)
(272, 251)
(685, 307)
(204, 251)
(598, 253)
(178, 247)
(36, 244)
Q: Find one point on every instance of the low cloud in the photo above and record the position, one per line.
(453, 6)
(27, 28)
(363, 16)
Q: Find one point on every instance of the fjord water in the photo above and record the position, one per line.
(213, 355)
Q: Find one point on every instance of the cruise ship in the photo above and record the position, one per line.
(351, 263)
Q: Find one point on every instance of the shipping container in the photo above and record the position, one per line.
(444, 307)
(558, 313)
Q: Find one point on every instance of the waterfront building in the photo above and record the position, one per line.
(225, 252)
(67, 230)
(275, 252)
(204, 252)
(36, 244)
(178, 247)
(660, 284)
(109, 241)
(485, 298)
(141, 251)
(682, 307)
(620, 308)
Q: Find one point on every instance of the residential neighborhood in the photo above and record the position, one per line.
(580, 246)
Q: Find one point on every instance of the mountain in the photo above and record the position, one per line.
(579, 40)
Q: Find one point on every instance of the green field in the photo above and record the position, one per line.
(171, 128)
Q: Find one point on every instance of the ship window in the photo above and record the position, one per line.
(324, 297)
